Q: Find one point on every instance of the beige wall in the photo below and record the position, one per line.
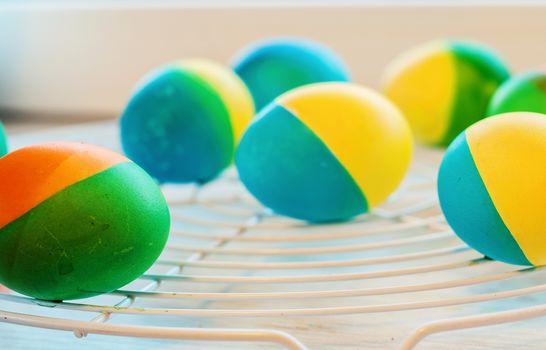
(78, 62)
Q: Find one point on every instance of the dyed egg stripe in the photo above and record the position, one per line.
(433, 69)
(189, 79)
(111, 224)
(232, 91)
(514, 153)
(540, 80)
(462, 192)
(47, 170)
(473, 66)
(349, 138)
(295, 191)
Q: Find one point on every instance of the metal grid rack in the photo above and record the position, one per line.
(233, 272)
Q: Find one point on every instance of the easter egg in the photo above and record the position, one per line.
(76, 220)
(274, 66)
(443, 87)
(3, 141)
(522, 93)
(325, 152)
(492, 187)
(184, 120)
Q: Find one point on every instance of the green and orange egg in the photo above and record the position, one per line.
(76, 220)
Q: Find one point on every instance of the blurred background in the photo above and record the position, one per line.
(75, 60)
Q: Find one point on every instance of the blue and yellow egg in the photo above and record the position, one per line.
(3, 141)
(274, 66)
(184, 121)
(325, 152)
(443, 87)
(522, 93)
(492, 187)
(3, 151)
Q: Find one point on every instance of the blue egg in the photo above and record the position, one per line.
(184, 121)
(272, 67)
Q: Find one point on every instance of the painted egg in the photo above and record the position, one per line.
(492, 187)
(443, 87)
(272, 67)
(521, 93)
(76, 220)
(325, 152)
(183, 122)
(3, 141)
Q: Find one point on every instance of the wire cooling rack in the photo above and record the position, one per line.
(235, 273)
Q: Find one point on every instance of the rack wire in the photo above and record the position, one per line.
(236, 273)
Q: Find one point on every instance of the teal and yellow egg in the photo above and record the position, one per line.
(3, 141)
(183, 122)
(76, 220)
(522, 93)
(325, 152)
(492, 187)
(3, 152)
(273, 66)
(443, 87)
